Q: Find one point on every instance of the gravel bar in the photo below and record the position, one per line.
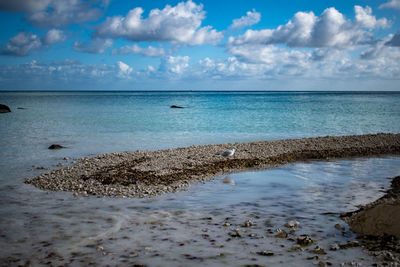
(149, 173)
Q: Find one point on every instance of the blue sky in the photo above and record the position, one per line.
(199, 45)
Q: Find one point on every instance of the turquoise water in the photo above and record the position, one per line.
(98, 122)
(35, 224)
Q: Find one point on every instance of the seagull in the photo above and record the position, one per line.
(228, 153)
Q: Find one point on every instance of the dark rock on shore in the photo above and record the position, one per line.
(380, 217)
(377, 224)
(4, 109)
(174, 106)
(55, 146)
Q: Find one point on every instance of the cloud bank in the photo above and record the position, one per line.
(179, 24)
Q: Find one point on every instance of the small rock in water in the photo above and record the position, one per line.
(235, 233)
(228, 180)
(265, 253)
(99, 248)
(304, 241)
(292, 224)
(174, 106)
(318, 250)
(296, 248)
(60, 164)
(226, 224)
(334, 247)
(350, 244)
(55, 146)
(339, 227)
(247, 223)
(281, 233)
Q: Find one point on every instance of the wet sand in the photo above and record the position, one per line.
(149, 173)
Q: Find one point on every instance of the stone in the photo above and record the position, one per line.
(318, 250)
(304, 241)
(334, 247)
(4, 109)
(55, 146)
(265, 253)
(174, 106)
(292, 224)
(247, 223)
(339, 227)
(281, 233)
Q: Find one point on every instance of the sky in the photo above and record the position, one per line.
(200, 45)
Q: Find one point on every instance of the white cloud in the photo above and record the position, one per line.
(124, 70)
(94, 46)
(330, 29)
(365, 19)
(22, 44)
(251, 18)
(150, 51)
(391, 4)
(174, 65)
(177, 24)
(54, 36)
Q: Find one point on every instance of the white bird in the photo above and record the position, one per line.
(228, 153)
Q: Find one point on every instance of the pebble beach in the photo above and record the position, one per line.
(149, 173)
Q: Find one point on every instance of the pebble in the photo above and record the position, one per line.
(304, 241)
(281, 233)
(292, 224)
(247, 223)
(339, 227)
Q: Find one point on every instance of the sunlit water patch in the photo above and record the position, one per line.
(205, 225)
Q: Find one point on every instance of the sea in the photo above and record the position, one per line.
(185, 228)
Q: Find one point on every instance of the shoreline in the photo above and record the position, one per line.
(148, 173)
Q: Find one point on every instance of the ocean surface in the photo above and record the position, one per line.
(34, 223)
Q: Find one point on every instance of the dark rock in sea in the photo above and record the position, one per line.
(173, 106)
(4, 109)
(55, 146)
(20, 108)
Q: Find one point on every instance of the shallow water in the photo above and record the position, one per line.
(169, 230)
(186, 228)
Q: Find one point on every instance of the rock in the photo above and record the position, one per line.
(296, 248)
(20, 108)
(339, 227)
(235, 234)
(350, 244)
(174, 106)
(265, 253)
(318, 250)
(247, 223)
(292, 224)
(226, 224)
(4, 109)
(55, 146)
(334, 247)
(304, 241)
(281, 233)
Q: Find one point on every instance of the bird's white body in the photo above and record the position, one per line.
(228, 153)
